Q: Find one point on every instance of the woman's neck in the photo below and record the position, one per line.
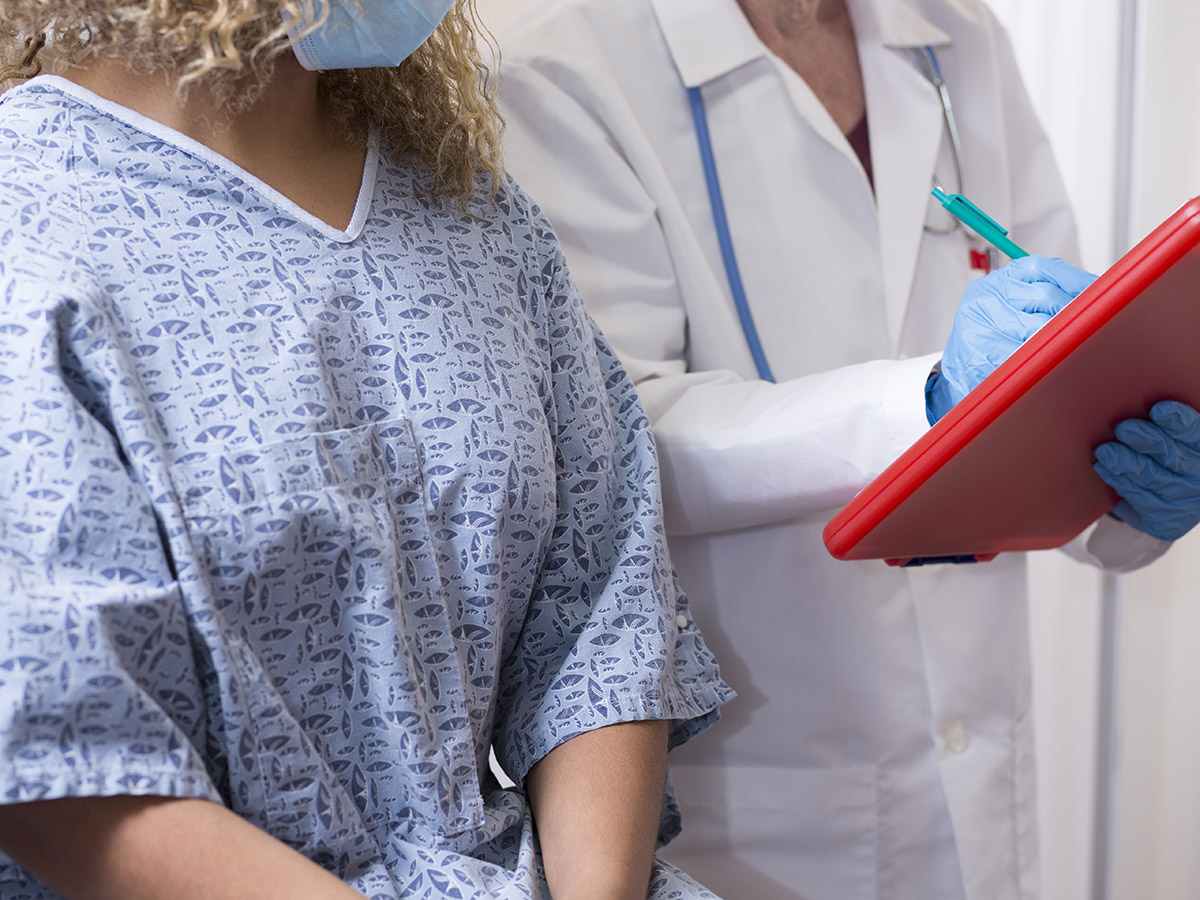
(285, 137)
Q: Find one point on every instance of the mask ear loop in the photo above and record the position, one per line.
(301, 27)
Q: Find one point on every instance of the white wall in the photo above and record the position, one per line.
(1158, 779)
(1158, 782)
(1067, 50)
(1167, 137)
(497, 13)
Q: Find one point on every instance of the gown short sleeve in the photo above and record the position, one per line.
(609, 637)
(99, 691)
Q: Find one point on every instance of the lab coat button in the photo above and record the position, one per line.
(681, 621)
(957, 738)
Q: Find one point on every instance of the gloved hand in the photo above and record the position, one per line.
(1155, 467)
(997, 314)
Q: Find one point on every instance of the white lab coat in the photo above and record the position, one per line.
(881, 746)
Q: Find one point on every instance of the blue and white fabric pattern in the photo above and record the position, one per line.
(301, 520)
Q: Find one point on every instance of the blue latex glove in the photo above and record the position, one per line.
(997, 314)
(1155, 466)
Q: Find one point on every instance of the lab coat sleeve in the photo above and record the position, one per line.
(1115, 546)
(735, 452)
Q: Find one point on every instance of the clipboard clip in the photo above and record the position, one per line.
(914, 561)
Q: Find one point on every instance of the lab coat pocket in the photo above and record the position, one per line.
(778, 833)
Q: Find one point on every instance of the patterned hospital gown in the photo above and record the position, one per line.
(302, 521)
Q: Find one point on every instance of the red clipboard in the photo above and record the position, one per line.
(1010, 466)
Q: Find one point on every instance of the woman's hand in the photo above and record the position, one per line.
(147, 848)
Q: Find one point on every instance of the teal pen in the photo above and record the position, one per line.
(979, 222)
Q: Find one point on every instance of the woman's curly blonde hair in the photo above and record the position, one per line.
(436, 107)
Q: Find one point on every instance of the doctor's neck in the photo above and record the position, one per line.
(816, 39)
(788, 17)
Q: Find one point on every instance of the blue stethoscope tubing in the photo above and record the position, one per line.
(721, 220)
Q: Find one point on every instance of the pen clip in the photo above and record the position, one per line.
(988, 220)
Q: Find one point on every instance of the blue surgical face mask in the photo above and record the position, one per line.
(366, 33)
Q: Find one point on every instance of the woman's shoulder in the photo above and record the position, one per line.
(499, 217)
(524, 219)
(40, 202)
(38, 124)
(36, 139)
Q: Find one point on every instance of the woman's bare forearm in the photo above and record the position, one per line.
(596, 802)
(157, 848)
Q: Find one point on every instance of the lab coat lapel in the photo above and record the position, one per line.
(711, 38)
(818, 117)
(904, 114)
(905, 118)
(707, 38)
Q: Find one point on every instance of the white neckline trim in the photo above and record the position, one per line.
(362, 206)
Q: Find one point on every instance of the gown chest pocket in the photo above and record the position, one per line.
(316, 576)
